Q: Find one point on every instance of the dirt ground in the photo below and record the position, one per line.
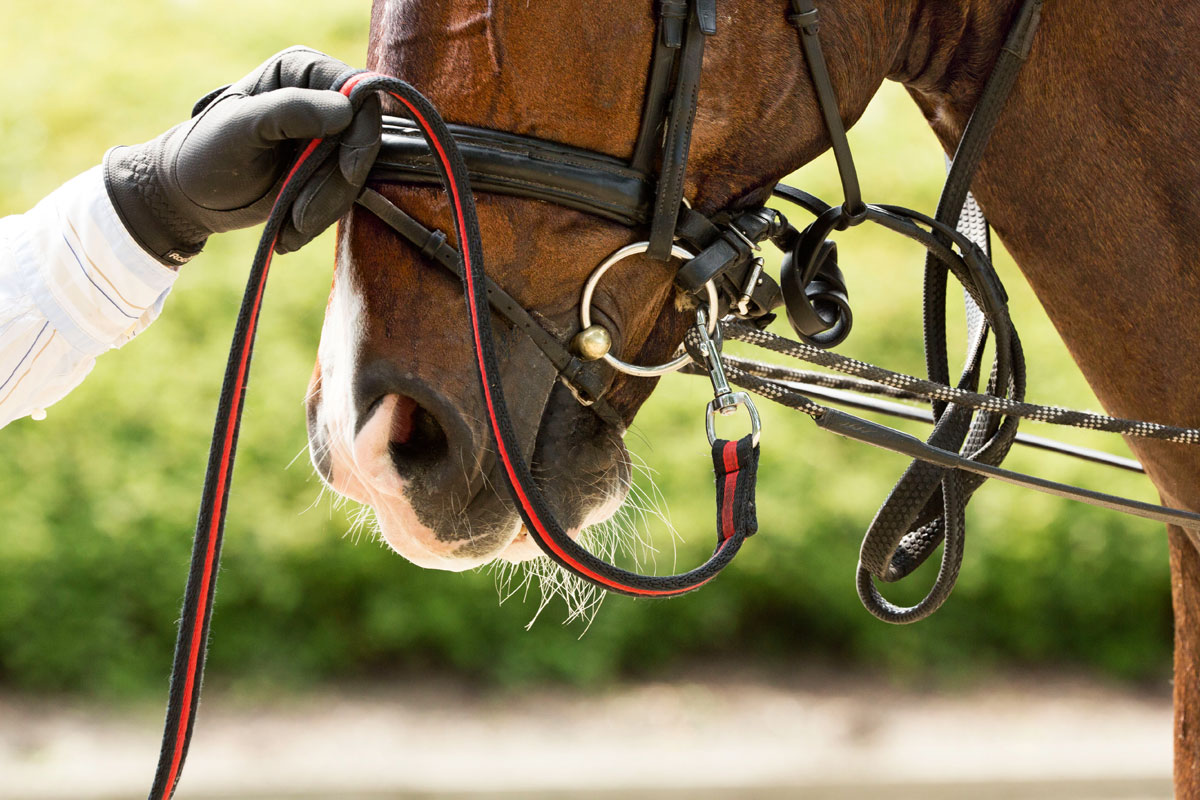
(824, 737)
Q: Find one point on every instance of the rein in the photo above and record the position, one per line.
(973, 430)
(734, 462)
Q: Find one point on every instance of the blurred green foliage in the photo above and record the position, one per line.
(97, 503)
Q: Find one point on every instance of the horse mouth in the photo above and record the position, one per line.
(441, 502)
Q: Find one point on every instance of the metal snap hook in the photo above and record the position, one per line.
(585, 310)
(725, 401)
(731, 402)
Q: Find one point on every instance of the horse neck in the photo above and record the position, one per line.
(1090, 181)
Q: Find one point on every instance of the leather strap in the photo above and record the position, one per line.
(725, 252)
(522, 166)
(910, 524)
(881, 436)
(678, 141)
(672, 16)
(804, 16)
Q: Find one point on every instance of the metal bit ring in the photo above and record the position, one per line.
(585, 309)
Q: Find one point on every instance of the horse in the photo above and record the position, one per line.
(1089, 180)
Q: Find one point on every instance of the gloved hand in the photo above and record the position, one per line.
(222, 169)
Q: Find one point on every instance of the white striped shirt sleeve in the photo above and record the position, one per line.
(73, 284)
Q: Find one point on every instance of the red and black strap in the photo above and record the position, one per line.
(735, 465)
(191, 643)
(735, 472)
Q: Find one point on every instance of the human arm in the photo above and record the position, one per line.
(73, 284)
(90, 267)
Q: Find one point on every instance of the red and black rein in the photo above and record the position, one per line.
(735, 462)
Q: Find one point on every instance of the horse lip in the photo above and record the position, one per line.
(367, 413)
(483, 498)
(493, 474)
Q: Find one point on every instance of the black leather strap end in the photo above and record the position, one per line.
(706, 12)
(716, 259)
(765, 297)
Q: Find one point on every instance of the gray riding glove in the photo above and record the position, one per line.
(223, 168)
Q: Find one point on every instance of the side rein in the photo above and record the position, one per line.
(720, 267)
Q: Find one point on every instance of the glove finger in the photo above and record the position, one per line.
(325, 198)
(296, 114)
(207, 100)
(290, 240)
(333, 187)
(298, 66)
(361, 141)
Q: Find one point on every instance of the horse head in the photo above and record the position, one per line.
(395, 414)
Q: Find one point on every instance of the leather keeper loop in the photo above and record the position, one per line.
(712, 262)
(433, 244)
(673, 13)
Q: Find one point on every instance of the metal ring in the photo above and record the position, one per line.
(585, 309)
(736, 399)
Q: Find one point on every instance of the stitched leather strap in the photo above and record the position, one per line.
(735, 469)
(522, 166)
(805, 17)
(678, 141)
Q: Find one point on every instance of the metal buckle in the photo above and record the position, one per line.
(725, 401)
(738, 399)
(743, 303)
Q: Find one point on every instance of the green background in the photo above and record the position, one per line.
(97, 502)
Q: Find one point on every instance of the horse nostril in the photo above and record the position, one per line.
(416, 439)
(429, 443)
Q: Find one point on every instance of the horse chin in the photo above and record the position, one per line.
(400, 524)
(521, 549)
(524, 547)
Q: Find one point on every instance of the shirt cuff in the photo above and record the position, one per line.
(84, 270)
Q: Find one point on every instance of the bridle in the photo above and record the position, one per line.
(972, 433)
(720, 268)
